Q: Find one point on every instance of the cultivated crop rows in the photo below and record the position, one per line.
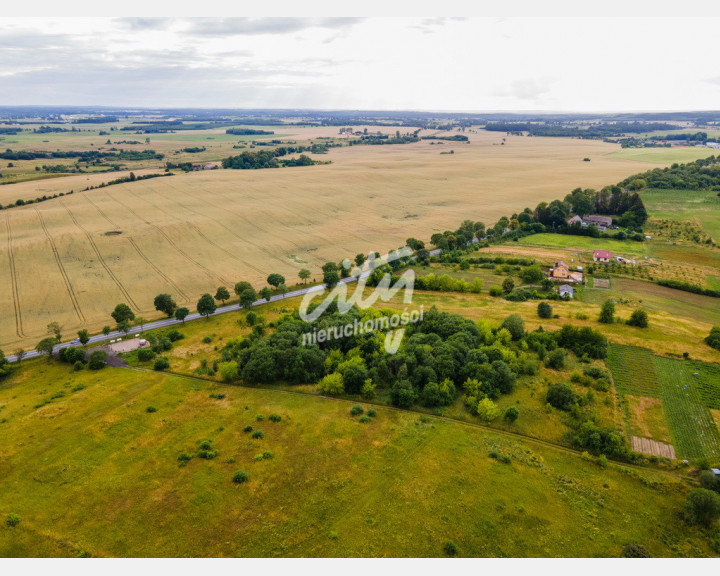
(633, 370)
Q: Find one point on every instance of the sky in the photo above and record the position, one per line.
(440, 63)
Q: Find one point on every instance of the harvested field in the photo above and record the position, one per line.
(647, 446)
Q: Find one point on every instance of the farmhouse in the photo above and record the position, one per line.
(602, 256)
(566, 290)
(560, 271)
(575, 220)
(602, 222)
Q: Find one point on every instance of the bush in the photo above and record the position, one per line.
(98, 360)
(161, 363)
(184, 458)
(356, 410)
(207, 454)
(713, 339)
(207, 340)
(275, 418)
(267, 455)
(495, 291)
(544, 310)
(511, 414)
(372, 412)
(702, 507)
(228, 371)
(174, 335)
(607, 312)
(638, 318)
(709, 481)
(506, 459)
(247, 429)
(561, 396)
(258, 435)
(150, 409)
(450, 548)
(635, 551)
(515, 325)
(240, 476)
(365, 419)
(259, 417)
(12, 520)
(78, 366)
(555, 359)
(145, 354)
(332, 384)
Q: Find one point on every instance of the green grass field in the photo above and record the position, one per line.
(700, 206)
(626, 248)
(633, 370)
(93, 472)
(664, 155)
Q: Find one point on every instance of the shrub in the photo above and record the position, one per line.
(607, 312)
(145, 354)
(515, 325)
(511, 414)
(712, 340)
(506, 459)
(275, 418)
(240, 476)
(561, 396)
(78, 366)
(555, 359)
(98, 360)
(247, 429)
(702, 507)
(228, 371)
(257, 457)
(258, 435)
(494, 454)
(184, 458)
(356, 410)
(635, 551)
(638, 318)
(206, 445)
(267, 455)
(259, 417)
(12, 520)
(151, 409)
(207, 454)
(174, 335)
(161, 363)
(372, 412)
(544, 310)
(495, 291)
(365, 419)
(332, 384)
(450, 548)
(487, 410)
(207, 340)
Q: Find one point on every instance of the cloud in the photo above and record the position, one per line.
(254, 26)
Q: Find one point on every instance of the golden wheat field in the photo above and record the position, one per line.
(72, 259)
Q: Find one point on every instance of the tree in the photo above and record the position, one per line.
(532, 274)
(247, 297)
(710, 481)
(508, 285)
(511, 414)
(139, 321)
(304, 275)
(403, 394)
(54, 329)
(702, 507)
(354, 377)
(487, 410)
(359, 259)
(515, 325)
(275, 279)
(638, 318)
(84, 336)
(19, 354)
(165, 303)
(124, 326)
(283, 289)
(240, 287)
(222, 294)
(544, 310)
(555, 359)
(98, 359)
(330, 274)
(46, 345)
(332, 384)
(106, 330)
(607, 312)
(265, 294)
(181, 314)
(206, 305)
(122, 312)
(5, 364)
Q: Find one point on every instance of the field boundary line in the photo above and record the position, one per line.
(13, 279)
(63, 272)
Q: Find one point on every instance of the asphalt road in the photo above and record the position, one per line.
(100, 338)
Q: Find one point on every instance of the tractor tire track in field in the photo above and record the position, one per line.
(13, 278)
(142, 255)
(169, 241)
(66, 278)
(100, 258)
(200, 233)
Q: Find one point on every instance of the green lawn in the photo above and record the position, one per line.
(92, 471)
(624, 247)
(701, 206)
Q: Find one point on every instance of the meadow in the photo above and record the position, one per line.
(193, 232)
(90, 470)
(664, 155)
